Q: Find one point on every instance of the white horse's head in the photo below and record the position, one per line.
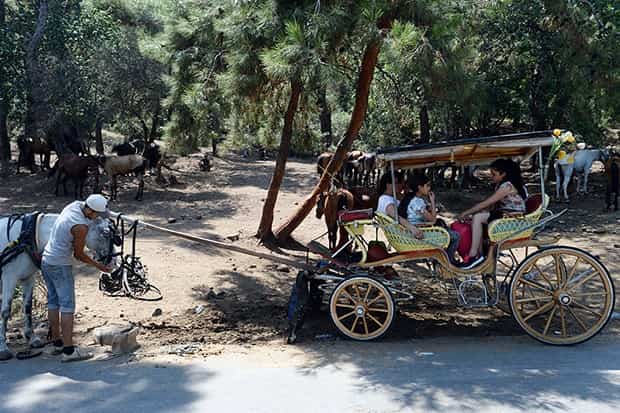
(102, 240)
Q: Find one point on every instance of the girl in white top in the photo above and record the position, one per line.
(388, 205)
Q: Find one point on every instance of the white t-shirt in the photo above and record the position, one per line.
(384, 202)
(415, 210)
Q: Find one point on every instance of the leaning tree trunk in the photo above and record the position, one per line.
(99, 137)
(369, 62)
(33, 91)
(265, 233)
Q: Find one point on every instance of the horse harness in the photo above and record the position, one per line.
(25, 242)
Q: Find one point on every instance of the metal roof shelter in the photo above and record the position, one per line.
(469, 151)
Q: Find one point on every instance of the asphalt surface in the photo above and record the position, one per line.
(503, 374)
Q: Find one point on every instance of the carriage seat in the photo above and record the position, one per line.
(402, 240)
(505, 228)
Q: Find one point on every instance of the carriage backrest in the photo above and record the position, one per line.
(532, 203)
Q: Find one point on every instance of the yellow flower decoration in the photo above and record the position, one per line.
(556, 132)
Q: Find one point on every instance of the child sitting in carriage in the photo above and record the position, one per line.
(509, 198)
(417, 210)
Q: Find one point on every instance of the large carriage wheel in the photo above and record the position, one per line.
(362, 308)
(562, 295)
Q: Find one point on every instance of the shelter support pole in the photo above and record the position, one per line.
(393, 189)
(214, 243)
(542, 172)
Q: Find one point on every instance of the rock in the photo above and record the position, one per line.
(616, 245)
(125, 342)
(104, 336)
(199, 309)
(121, 315)
(211, 294)
(283, 268)
(172, 220)
(233, 237)
(157, 312)
(198, 217)
(220, 294)
(252, 266)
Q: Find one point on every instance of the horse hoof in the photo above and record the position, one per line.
(5, 355)
(36, 342)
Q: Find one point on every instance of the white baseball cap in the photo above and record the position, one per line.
(97, 203)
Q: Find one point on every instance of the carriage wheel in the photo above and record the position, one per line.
(562, 295)
(362, 308)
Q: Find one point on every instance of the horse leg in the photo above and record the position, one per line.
(140, 187)
(586, 172)
(113, 189)
(557, 181)
(8, 287)
(567, 175)
(33, 339)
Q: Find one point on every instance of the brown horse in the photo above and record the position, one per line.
(28, 148)
(329, 204)
(612, 170)
(322, 161)
(76, 168)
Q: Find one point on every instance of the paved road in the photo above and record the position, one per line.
(504, 374)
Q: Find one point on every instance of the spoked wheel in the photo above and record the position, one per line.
(362, 308)
(507, 262)
(562, 295)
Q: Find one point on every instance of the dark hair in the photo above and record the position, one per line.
(512, 172)
(413, 183)
(386, 179)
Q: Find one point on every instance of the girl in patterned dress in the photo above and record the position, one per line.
(509, 197)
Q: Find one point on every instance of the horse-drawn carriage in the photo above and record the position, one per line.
(559, 295)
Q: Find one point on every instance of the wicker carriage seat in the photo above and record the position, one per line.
(508, 227)
(402, 240)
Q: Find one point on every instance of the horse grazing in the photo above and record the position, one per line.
(22, 269)
(322, 161)
(353, 167)
(582, 162)
(612, 170)
(76, 168)
(368, 163)
(151, 152)
(123, 165)
(329, 204)
(28, 148)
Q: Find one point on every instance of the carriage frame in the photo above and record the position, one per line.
(559, 295)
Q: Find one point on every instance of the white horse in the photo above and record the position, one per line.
(583, 160)
(21, 269)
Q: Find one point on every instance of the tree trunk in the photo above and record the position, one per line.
(265, 232)
(5, 144)
(98, 137)
(369, 62)
(145, 132)
(325, 118)
(33, 92)
(425, 128)
(154, 123)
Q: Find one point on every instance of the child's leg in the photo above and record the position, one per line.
(476, 232)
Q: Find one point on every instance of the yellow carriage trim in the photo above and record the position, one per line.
(402, 240)
(505, 228)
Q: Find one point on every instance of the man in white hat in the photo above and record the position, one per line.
(67, 240)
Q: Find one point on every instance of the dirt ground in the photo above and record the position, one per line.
(213, 298)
